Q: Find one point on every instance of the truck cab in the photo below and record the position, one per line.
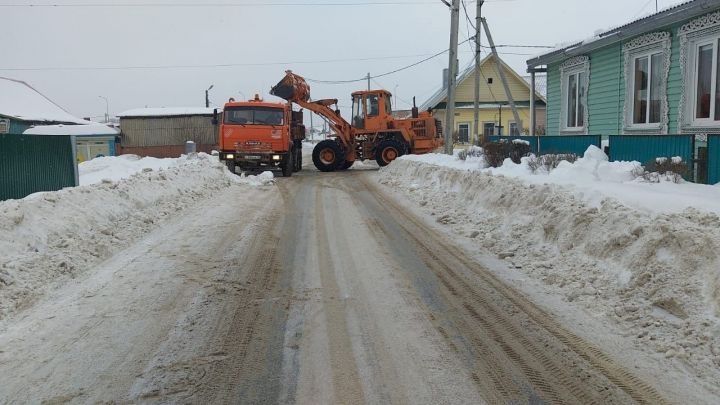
(256, 135)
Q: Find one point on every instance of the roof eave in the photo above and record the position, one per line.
(672, 16)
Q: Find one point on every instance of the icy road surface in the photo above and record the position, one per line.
(319, 290)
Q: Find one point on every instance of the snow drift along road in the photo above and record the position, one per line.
(655, 274)
(49, 237)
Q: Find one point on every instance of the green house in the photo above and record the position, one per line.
(656, 75)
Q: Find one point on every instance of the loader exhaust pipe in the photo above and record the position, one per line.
(415, 113)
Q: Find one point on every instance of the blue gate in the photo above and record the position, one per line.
(646, 148)
(713, 159)
(563, 144)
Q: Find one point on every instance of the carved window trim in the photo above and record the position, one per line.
(690, 34)
(648, 44)
(577, 64)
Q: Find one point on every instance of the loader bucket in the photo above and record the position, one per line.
(292, 88)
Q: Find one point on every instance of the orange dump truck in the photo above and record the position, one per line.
(257, 135)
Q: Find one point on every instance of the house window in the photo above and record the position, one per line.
(4, 126)
(464, 132)
(647, 65)
(707, 86)
(514, 130)
(699, 107)
(575, 75)
(488, 128)
(575, 109)
(647, 89)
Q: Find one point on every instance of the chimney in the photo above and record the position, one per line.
(445, 78)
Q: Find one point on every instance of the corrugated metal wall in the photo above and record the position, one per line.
(162, 131)
(713, 159)
(646, 148)
(29, 164)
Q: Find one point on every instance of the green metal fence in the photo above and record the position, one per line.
(713, 148)
(29, 164)
(576, 144)
(646, 148)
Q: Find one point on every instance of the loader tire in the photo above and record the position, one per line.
(289, 166)
(346, 165)
(387, 151)
(328, 156)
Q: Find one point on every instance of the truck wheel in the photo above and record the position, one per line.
(298, 160)
(387, 151)
(328, 156)
(289, 166)
(230, 166)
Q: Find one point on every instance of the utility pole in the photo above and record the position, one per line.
(476, 115)
(107, 109)
(452, 77)
(312, 132)
(207, 96)
(368, 79)
(501, 73)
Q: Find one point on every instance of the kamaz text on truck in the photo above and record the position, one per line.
(257, 135)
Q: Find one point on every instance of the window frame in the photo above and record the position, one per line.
(494, 128)
(574, 67)
(510, 129)
(697, 32)
(646, 46)
(714, 41)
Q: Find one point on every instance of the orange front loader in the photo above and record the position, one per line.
(374, 132)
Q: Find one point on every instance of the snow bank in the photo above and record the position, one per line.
(593, 179)
(116, 168)
(656, 274)
(50, 237)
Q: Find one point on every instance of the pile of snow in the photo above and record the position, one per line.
(114, 168)
(593, 179)
(50, 237)
(653, 271)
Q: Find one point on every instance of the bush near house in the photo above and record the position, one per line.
(497, 152)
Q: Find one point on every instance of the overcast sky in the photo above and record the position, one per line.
(56, 49)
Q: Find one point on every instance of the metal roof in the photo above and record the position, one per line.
(668, 16)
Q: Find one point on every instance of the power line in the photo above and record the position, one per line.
(383, 74)
(212, 65)
(254, 4)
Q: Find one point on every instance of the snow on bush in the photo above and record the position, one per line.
(49, 237)
(650, 265)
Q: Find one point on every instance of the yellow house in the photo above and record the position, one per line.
(496, 117)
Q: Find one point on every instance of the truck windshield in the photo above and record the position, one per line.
(254, 115)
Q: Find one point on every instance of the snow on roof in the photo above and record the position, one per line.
(88, 129)
(20, 101)
(166, 112)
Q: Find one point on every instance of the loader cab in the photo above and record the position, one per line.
(371, 109)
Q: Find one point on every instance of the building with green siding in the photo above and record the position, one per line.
(656, 75)
(39, 141)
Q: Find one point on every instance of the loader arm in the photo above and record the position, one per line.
(321, 107)
(295, 89)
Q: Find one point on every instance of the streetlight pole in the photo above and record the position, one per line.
(452, 76)
(107, 109)
(395, 95)
(207, 96)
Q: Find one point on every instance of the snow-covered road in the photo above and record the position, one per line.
(325, 288)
